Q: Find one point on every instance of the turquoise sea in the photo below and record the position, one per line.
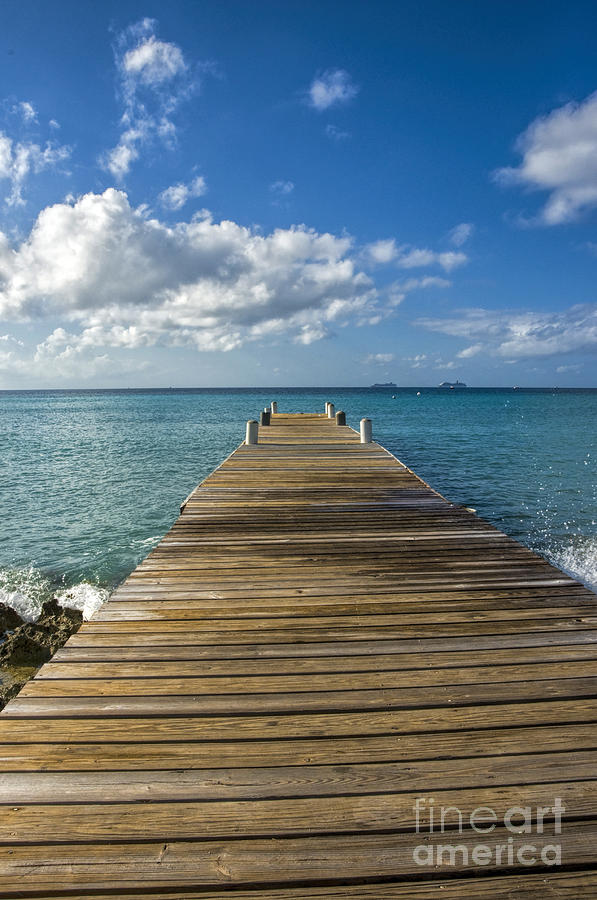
(90, 480)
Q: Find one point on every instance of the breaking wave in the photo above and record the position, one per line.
(27, 589)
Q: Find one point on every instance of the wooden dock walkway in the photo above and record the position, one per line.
(319, 647)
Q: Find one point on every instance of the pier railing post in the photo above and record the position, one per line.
(252, 432)
(274, 407)
(366, 431)
(264, 417)
(327, 407)
(331, 411)
(340, 418)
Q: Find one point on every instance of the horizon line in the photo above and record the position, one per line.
(290, 387)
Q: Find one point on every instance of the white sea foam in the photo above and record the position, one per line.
(147, 542)
(28, 608)
(26, 591)
(85, 597)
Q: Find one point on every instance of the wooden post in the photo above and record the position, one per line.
(331, 411)
(264, 417)
(274, 407)
(340, 418)
(327, 407)
(366, 431)
(252, 432)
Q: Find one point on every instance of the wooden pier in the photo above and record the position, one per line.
(319, 650)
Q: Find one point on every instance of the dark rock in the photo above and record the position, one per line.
(8, 618)
(27, 645)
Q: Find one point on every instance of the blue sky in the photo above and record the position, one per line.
(298, 193)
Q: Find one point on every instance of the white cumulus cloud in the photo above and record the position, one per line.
(119, 278)
(332, 88)
(559, 155)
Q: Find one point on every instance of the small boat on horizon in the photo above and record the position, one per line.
(452, 385)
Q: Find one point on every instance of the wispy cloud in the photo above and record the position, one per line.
(469, 352)
(336, 134)
(406, 256)
(414, 258)
(382, 251)
(379, 358)
(26, 110)
(10, 339)
(515, 335)
(154, 78)
(281, 188)
(333, 87)
(177, 195)
(460, 234)
(280, 192)
(573, 367)
(418, 361)
(559, 155)
(399, 289)
(412, 284)
(21, 159)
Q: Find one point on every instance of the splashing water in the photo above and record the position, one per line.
(578, 559)
(84, 597)
(27, 589)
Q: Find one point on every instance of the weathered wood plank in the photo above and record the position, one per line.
(110, 754)
(273, 863)
(291, 816)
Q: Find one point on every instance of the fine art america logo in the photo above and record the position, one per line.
(530, 847)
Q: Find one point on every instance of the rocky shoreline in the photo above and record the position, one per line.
(28, 645)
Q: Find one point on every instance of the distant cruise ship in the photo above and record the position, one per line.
(385, 384)
(453, 384)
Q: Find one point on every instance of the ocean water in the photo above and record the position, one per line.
(90, 480)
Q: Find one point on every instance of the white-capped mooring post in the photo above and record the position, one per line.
(366, 431)
(331, 411)
(252, 432)
(264, 417)
(274, 407)
(340, 418)
(327, 407)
